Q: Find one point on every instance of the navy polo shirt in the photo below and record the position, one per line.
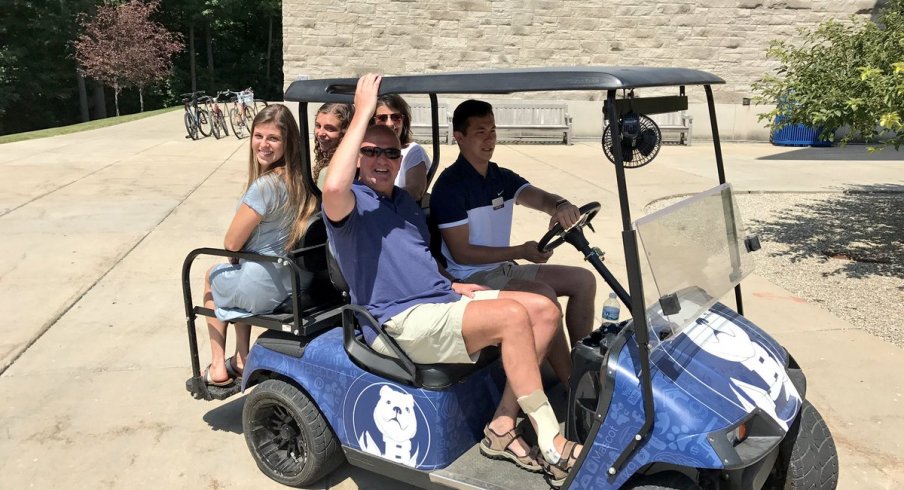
(461, 196)
(383, 253)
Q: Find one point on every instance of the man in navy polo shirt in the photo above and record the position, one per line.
(380, 238)
(473, 202)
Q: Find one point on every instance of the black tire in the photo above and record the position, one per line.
(221, 122)
(190, 126)
(215, 128)
(204, 122)
(259, 105)
(237, 122)
(807, 457)
(249, 118)
(666, 480)
(287, 435)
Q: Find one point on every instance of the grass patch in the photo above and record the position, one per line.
(75, 128)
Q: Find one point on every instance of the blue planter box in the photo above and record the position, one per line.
(798, 135)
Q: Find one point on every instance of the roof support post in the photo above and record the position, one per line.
(635, 284)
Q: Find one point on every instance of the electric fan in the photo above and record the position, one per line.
(640, 140)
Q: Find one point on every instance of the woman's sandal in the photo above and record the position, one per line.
(232, 369)
(227, 382)
(556, 474)
(496, 446)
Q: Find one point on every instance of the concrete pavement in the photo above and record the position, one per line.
(95, 226)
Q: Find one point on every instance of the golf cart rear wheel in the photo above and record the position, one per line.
(288, 436)
(808, 457)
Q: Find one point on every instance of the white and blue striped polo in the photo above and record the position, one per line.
(461, 196)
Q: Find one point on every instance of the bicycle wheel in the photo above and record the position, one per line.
(204, 122)
(190, 126)
(237, 122)
(249, 119)
(215, 128)
(220, 121)
(259, 105)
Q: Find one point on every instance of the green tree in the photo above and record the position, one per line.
(38, 79)
(842, 75)
(239, 44)
(122, 47)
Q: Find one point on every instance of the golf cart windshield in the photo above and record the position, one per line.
(693, 253)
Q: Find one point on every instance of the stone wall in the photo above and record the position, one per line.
(725, 37)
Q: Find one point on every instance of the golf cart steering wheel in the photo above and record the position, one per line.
(556, 235)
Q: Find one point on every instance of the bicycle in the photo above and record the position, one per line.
(218, 121)
(196, 119)
(223, 97)
(259, 105)
(241, 115)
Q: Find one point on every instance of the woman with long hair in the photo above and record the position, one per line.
(393, 111)
(330, 124)
(272, 215)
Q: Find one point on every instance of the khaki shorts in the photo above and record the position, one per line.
(499, 277)
(430, 333)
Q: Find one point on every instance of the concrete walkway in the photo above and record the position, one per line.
(93, 355)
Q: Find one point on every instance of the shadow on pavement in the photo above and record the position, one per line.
(227, 417)
(863, 226)
(836, 154)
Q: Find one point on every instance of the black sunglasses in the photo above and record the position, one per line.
(375, 151)
(396, 117)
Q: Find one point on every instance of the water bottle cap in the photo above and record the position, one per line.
(611, 295)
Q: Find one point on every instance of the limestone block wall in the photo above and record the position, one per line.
(725, 37)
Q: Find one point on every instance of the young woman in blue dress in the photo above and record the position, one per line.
(271, 217)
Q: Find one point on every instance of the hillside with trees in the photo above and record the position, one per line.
(221, 44)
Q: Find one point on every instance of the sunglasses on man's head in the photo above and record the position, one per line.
(395, 116)
(375, 151)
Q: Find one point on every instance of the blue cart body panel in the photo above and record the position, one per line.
(416, 427)
(708, 378)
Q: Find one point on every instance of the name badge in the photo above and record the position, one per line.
(498, 203)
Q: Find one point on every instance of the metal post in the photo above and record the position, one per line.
(720, 166)
(635, 284)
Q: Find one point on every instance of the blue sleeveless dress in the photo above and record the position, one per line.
(250, 288)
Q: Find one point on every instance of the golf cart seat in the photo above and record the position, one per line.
(304, 312)
(399, 368)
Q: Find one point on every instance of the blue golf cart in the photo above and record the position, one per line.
(688, 393)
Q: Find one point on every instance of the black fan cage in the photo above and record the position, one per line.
(636, 151)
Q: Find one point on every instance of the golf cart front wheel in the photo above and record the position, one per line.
(807, 457)
(288, 436)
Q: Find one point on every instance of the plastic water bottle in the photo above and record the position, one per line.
(611, 309)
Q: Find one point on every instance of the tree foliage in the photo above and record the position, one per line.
(122, 47)
(842, 75)
(39, 73)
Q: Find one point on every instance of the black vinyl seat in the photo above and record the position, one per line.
(304, 312)
(399, 368)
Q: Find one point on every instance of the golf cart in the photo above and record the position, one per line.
(686, 394)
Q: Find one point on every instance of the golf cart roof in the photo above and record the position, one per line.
(506, 81)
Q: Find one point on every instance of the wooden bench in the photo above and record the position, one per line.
(535, 122)
(421, 122)
(674, 126)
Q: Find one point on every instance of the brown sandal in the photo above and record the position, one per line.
(557, 473)
(232, 368)
(496, 446)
